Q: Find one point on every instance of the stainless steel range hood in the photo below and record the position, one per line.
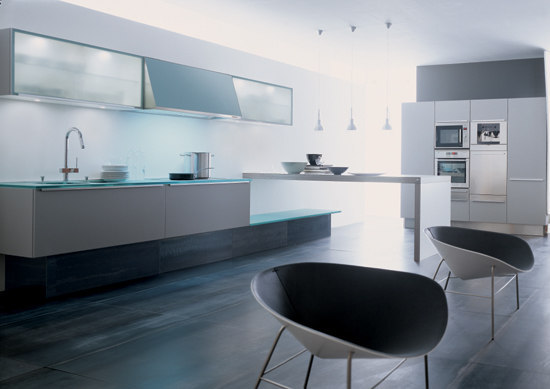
(189, 91)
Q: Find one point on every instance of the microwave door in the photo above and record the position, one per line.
(449, 136)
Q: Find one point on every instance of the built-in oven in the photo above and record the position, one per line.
(455, 164)
(489, 132)
(452, 135)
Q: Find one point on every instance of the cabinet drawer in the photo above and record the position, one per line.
(76, 220)
(196, 208)
(488, 211)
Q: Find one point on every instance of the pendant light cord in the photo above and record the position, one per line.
(353, 28)
(388, 25)
(319, 32)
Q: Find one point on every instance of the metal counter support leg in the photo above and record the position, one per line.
(417, 224)
(493, 302)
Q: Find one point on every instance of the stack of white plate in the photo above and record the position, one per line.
(114, 172)
(321, 169)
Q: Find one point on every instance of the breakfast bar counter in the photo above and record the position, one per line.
(432, 198)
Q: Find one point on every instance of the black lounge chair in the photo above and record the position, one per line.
(344, 311)
(471, 253)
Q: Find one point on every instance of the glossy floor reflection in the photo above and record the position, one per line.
(201, 328)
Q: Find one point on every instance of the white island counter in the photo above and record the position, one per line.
(432, 198)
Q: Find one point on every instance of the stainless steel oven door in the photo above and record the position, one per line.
(456, 168)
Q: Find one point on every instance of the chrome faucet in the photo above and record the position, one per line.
(66, 169)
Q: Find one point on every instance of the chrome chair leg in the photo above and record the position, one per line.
(447, 282)
(308, 370)
(281, 330)
(426, 371)
(438, 267)
(517, 292)
(493, 302)
(348, 386)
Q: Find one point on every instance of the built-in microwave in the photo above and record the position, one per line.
(455, 164)
(452, 135)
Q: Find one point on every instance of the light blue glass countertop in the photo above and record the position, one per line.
(93, 183)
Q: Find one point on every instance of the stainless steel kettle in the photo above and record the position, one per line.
(200, 163)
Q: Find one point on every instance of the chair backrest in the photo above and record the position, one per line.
(388, 312)
(471, 253)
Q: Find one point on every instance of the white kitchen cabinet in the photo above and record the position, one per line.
(526, 202)
(493, 109)
(197, 208)
(527, 149)
(486, 210)
(16, 221)
(35, 65)
(76, 219)
(417, 148)
(452, 111)
(460, 205)
(264, 102)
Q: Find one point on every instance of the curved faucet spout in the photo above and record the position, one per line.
(66, 169)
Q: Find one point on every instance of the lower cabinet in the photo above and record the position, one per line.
(40, 222)
(69, 220)
(484, 210)
(526, 202)
(192, 209)
(460, 205)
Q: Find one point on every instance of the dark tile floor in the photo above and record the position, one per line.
(201, 328)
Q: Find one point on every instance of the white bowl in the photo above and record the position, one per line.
(294, 167)
(337, 170)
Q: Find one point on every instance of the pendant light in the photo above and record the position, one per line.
(319, 126)
(351, 125)
(387, 125)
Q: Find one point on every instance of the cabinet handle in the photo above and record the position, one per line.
(60, 189)
(210, 183)
(488, 201)
(527, 179)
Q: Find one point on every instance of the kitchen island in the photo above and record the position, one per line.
(432, 198)
(59, 237)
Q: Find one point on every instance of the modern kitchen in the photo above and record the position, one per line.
(148, 174)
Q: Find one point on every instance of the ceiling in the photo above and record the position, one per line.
(423, 32)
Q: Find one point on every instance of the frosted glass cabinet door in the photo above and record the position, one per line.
(56, 68)
(264, 102)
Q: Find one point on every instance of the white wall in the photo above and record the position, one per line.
(32, 134)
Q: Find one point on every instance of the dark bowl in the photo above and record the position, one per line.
(314, 159)
(181, 176)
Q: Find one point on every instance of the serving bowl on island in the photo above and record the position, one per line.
(337, 170)
(294, 167)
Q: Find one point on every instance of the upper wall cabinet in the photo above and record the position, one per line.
(193, 91)
(264, 102)
(35, 66)
(494, 109)
(41, 66)
(174, 87)
(452, 111)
